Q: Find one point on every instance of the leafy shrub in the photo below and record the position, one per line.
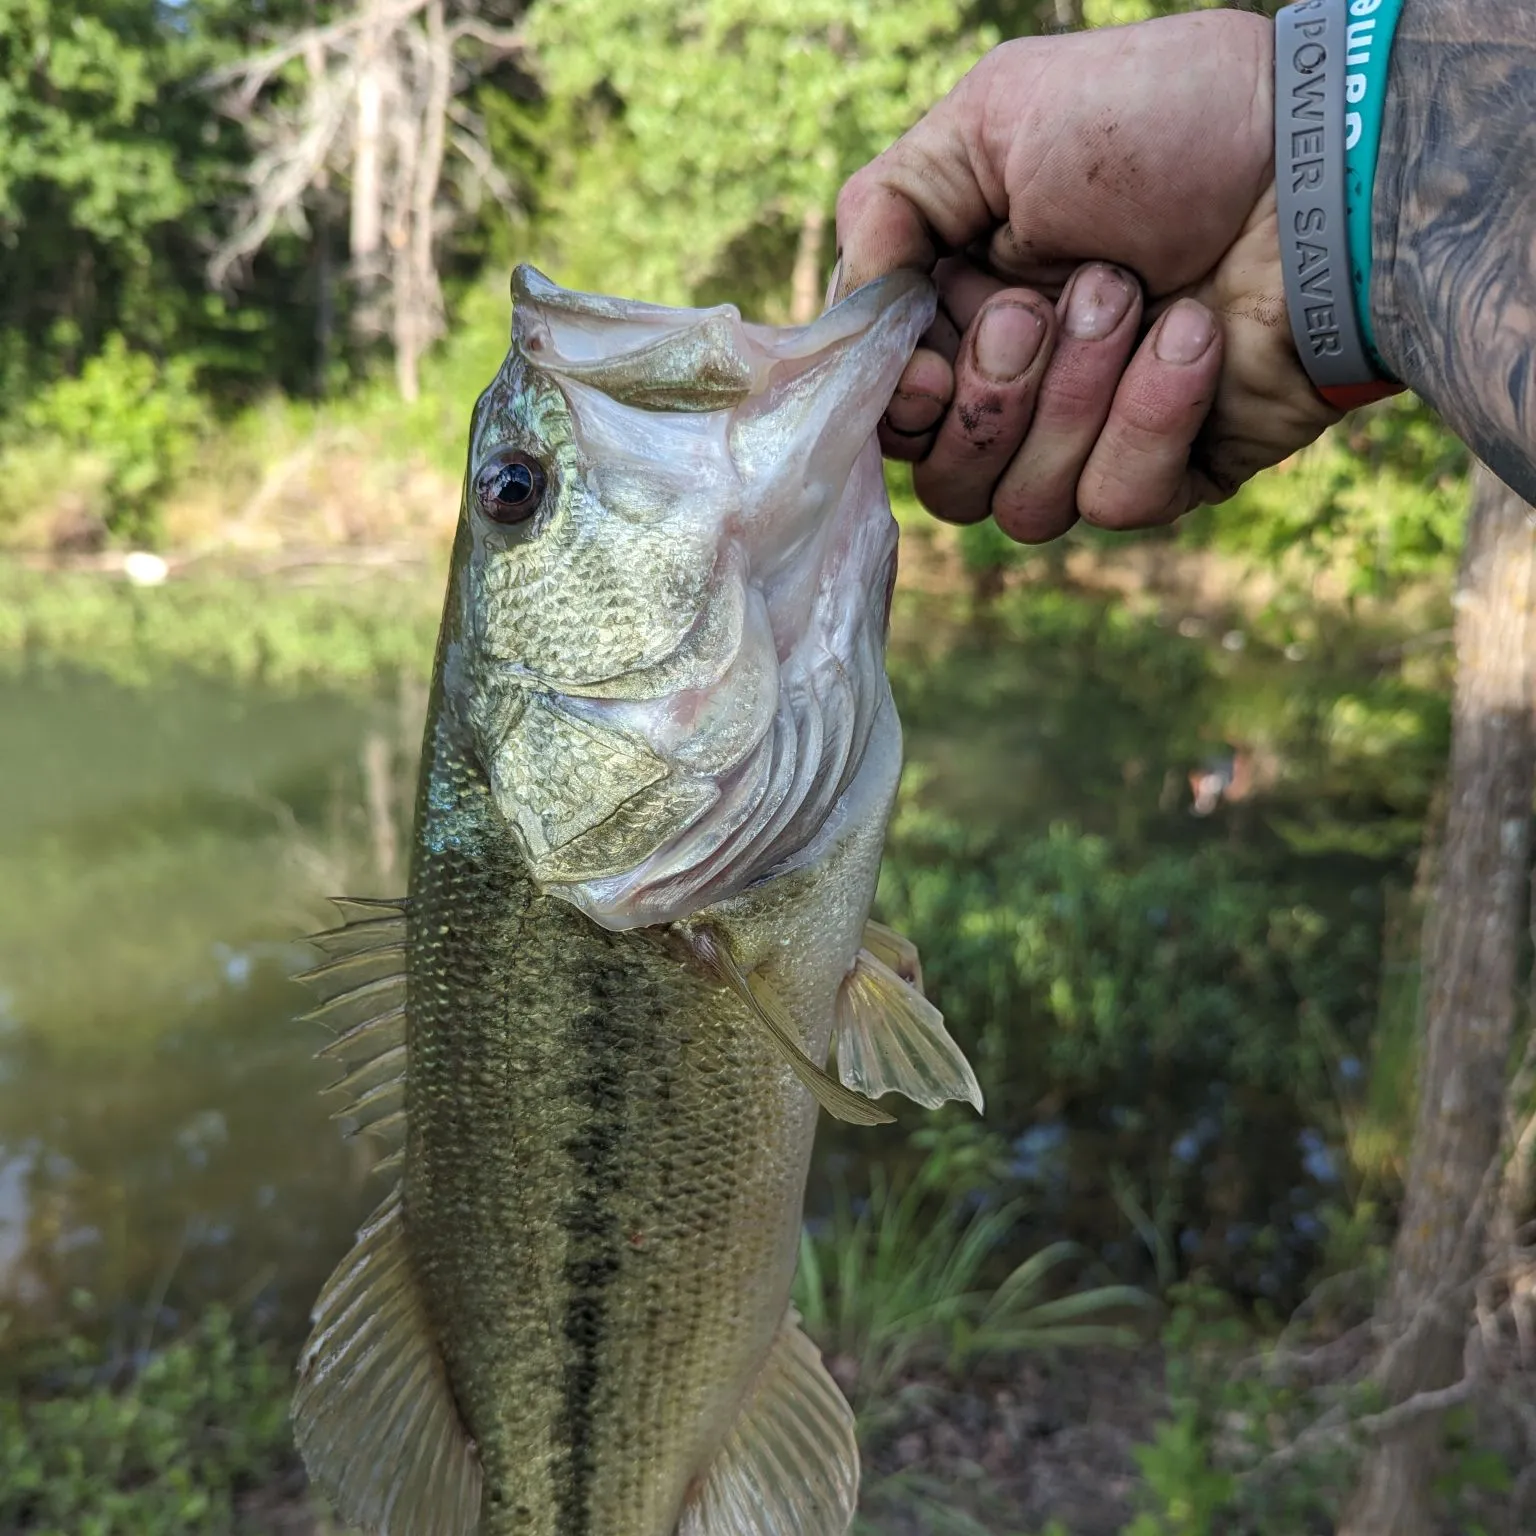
(1176, 1009)
(1185, 1492)
(1111, 974)
(114, 436)
(1378, 501)
(203, 1420)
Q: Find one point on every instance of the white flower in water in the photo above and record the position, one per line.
(144, 569)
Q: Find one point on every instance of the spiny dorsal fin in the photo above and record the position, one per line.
(362, 987)
(374, 1416)
(890, 1038)
(790, 1465)
(758, 994)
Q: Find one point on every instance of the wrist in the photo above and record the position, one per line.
(1330, 78)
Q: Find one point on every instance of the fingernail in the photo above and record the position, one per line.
(1185, 334)
(1007, 341)
(1097, 304)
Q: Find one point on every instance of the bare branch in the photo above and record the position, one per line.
(373, 111)
(253, 73)
(281, 176)
(498, 39)
(480, 161)
(1337, 1430)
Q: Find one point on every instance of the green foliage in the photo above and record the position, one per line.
(902, 1274)
(1204, 1468)
(123, 427)
(1121, 976)
(78, 153)
(781, 100)
(202, 1420)
(1378, 502)
(328, 633)
(1185, 1492)
(1474, 1479)
(114, 163)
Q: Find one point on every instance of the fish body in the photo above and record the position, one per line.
(659, 759)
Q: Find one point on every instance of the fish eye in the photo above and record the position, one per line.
(510, 486)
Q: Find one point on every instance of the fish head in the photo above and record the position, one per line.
(671, 586)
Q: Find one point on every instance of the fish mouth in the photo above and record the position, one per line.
(755, 725)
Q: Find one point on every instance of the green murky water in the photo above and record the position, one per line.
(163, 844)
(161, 1135)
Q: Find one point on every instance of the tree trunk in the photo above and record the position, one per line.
(365, 235)
(367, 204)
(418, 298)
(325, 278)
(1472, 947)
(805, 283)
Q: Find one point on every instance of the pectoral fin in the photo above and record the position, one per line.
(895, 950)
(790, 1465)
(890, 1038)
(758, 994)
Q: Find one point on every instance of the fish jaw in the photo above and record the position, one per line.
(729, 553)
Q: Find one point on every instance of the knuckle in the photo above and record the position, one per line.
(1147, 419)
(908, 448)
(1033, 519)
(1157, 408)
(1074, 393)
(1121, 498)
(852, 193)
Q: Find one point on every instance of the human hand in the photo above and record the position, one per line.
(1099, 213)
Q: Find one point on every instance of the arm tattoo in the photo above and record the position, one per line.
(1453, 276)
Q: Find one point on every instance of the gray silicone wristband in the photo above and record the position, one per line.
(1309, 192)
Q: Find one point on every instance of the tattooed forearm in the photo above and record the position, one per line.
(1453, 282)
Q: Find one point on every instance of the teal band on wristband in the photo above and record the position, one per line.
(1368, 48)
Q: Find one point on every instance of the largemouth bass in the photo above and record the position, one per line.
(659, 758)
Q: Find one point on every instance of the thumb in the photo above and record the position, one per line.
(918, 200)
(1146, 145)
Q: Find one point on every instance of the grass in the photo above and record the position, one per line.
(900, 1279)
(333, 631)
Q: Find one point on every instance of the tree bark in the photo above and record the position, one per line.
(1472, 948)
(418, 298)
(367, 201)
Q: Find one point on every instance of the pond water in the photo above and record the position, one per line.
(163, 845)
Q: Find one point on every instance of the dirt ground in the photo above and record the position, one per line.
(1049, 1439)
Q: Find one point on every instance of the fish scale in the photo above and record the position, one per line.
(536, 1065)
(592, 1037)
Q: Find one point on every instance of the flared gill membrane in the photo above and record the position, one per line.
(673, 665)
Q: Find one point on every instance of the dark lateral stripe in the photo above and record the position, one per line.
(604, 1041)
